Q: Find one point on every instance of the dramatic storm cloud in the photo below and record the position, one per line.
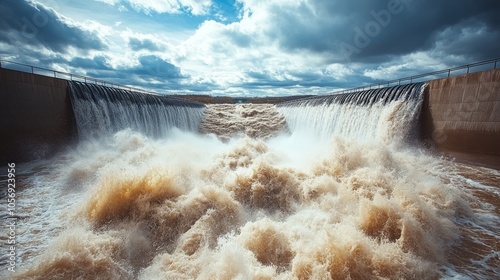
(27, 23)
(249, 47)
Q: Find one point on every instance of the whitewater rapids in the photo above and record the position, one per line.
(251, 197)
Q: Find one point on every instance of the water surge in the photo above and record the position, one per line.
(314, 190)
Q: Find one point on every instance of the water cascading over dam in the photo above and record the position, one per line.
(104, 110)
(326, 188)
(388, 114)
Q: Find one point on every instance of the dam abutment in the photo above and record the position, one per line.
(461, 114)
(36, 115)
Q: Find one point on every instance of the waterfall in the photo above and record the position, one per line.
(388, 114)
(257, 202)
(101, 110)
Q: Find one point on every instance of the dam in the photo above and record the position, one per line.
(354, 185)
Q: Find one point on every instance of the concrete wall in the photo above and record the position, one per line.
(36, 118)
(462, 113)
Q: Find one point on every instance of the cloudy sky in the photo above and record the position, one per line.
(249, 47)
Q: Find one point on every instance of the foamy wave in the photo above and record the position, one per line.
(192, 206)
(338, 195)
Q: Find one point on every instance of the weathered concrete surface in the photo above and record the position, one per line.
(36, 118)
(462, 114)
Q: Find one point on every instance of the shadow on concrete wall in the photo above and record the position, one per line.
(36, 118)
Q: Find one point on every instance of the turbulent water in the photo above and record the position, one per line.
(231, 121)
(335, 192)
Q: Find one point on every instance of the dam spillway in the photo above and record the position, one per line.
(386, 113)
(364, 97)
(345, 195)
(102, 110)
(459, 114)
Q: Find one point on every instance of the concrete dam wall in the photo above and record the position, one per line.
(459, 114)
(36, 118)
(462, 113)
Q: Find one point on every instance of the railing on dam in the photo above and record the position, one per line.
(64, 75)
(446, 73)
(464, 69)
